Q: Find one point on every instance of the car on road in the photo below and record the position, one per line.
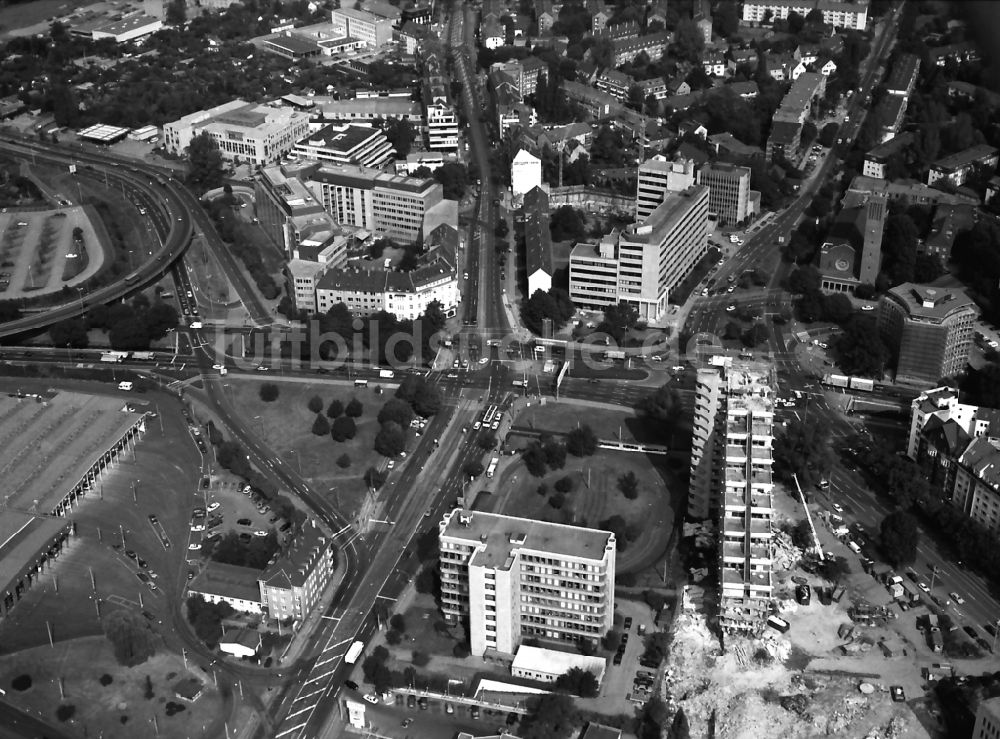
(474, 712)
(152, 519)
(406, 723)
(141, 562)
(350, 684)
(837, 507)
(196, 527)
(971, 631)
(218, 366)
(260, 532)
(261, 368)
(477, 425)
(371, 698)
(867, 307)
(730, 308)
(957, 598)
(991, 629)
(677, 368)
(628, 623)
(411, 701)
(731, 288)
(897, 693)
(391, 464)
(193, 546)
(423, 703)
(214, 506)
(496, 425)
(618, 658)
(923, 586)
(244, 522)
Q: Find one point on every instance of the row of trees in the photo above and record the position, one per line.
(130, 326)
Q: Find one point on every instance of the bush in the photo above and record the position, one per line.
(461, 650)
(393, 637)
(629, 485)
(320, 427)
(420, 659)
(542, 489)
(21, 683)
(398, 623)
(565, 484)
(106, 680)
(315, 404)
(557, 501)
(473, 468)
(581, 441)
(390, 441)
(335, 409)
(269, 392)
(374, 478)
(654, 600)
(65, 712)
(344, 461)
(354, 408)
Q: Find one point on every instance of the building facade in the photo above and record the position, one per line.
(957, 168)
(929, 329)
(244, 132)
(294, 580)
(537, 241)
(731, 479)
(525, 173)
(658, 176)
(836, 13)
(728, 191)
(516, 578)
(363, 146)
(371, 29)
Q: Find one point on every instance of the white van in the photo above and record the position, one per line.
(124, 385)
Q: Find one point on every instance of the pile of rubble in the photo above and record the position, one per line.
(785, 555)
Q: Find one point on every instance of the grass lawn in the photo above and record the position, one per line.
(596, 497)
(606, 423)
(286, 426)
(13, 17)
(421, 633)
(118, 709)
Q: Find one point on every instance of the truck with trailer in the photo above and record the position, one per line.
(493, 466)
(143, 356)
(114, 357)
(614, 354)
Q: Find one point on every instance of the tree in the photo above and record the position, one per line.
(838, 308)
(860, 349)
(70, 332)
(268, 392)
(130, 637)
(619, 319)
(160, 318)
(803, 450)
(390, 439)
(473, 468)
(663, 406)
(488, 442)
(567, 223)
(335, 409)
(828, 136)
(727, 18)
(401, 135)
(176, 13)
(354, 408)
(424, 397)
(581, 441)
(420, 659)
(320, 427)
(899, 249)
(555, 454)
(689, 42)
(552, 716)
(805, 279)
(397, 411)
(795, 23)
(611, 640)
(835, 569)
(129, 334)
(565, 484)
(578, 681)
(533, 457)
(205, 169)
(679, 729)
(343, 428)
(756, 335)
(900, 537)
(453, 178)
(553, 305)
(315, 404)
(374, 478)
(344, 461)
(629, 485)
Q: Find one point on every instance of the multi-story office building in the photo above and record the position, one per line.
(728, 191)
(956, 168)
(516, 578)
(836, 13)
(929, 329)
(658, 176)
(401, 208)
(987, 719)
(286, 209)
(644, 263)
(244, 132)
(731, 479)
(369, 28)
(364, 146)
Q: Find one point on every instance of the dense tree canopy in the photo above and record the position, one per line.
(900, 538)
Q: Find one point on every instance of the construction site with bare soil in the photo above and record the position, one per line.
(836, 657)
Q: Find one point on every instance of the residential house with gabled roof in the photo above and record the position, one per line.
(739, 57)
(657, 14)
(629, 29)
(599, 15)
(537, 241)
(713, 62)
(546, 14)
(655, 86)
(824, 65)
(678, 86)
(653, 45)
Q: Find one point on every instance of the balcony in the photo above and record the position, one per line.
(735, 454)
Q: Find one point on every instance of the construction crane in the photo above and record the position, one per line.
(812, 528)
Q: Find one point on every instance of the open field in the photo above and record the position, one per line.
(607, 423)
(286, 426)
(118, 709)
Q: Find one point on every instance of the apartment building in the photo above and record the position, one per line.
(614, 83)
(731, 479)
(645, 262)
(363, 146)
(879, 156)
(903, 76)
(929, 329)
(398, 207)
(516, 578)
(728, 191)
(795, 108)
(245, 132)
(525, 173)
(373, 30)
(836, 13)
(523, 72)
(658, 176)
(654, 45)
(439, 114)
(294, 579)
(594, 102)
(891, 110)
(537, 241)
(957, 168)
(987, 719)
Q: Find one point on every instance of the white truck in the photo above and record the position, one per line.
(386, 374)
(493, 466)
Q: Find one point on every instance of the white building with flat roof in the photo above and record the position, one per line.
(347, 143)
(245, 132)
(373, 30)
(516, 578)
(658, 176)
(546, 665)
(836, 13)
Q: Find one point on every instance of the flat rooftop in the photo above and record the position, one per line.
(50, 444)
(675, 206)
(22, 536)
(342, 138)
(500, 536)
(930, 303)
